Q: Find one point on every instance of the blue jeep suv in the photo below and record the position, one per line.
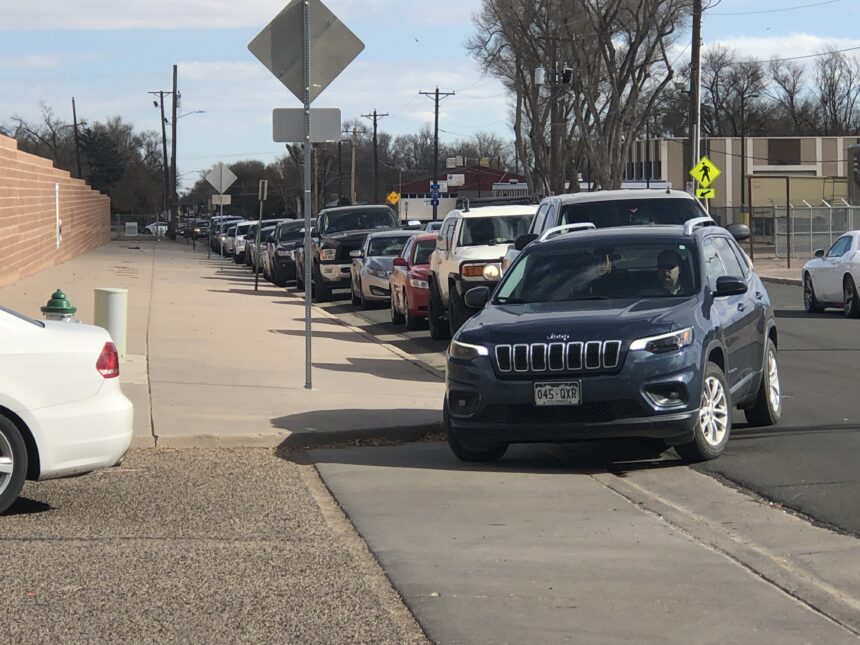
(651, 331)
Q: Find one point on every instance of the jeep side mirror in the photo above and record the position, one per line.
(477, 297)
(740, 232)
(524, 240)
(441, 243)
(357, 253)
(819, 253)
(730, 286)
(400, 262)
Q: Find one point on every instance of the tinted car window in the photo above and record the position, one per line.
(730, 260)
(631, 212)
(589, 272)
(714, 267)
(423, 249)
(480, 231)
(386, 246)
(358, 220)
(242, 229)
(291, 231)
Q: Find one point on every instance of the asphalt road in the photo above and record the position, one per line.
(809, 462)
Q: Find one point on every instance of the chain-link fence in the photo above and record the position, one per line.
(811, 228)
(119, 220)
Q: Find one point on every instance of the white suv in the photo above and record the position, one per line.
(468, 254)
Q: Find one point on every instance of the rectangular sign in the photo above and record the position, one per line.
(457, 180)
(706, 193)
(288, 125)
(221, 200)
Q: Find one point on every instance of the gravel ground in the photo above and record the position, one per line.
(194, 545)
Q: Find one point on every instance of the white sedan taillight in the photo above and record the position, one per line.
(108, 362)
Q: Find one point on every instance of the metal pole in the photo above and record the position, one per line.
(257, 263)
(788, 219)
(174, 195)
(77, 141)
(220, 240)
(647, 154)
(752, 230)
(166, 162)
(436, 158)
(308, 259)
(743, 150)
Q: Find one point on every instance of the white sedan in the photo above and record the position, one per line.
(830, 278)
(62, 412)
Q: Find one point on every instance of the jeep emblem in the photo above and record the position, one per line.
(558, 337)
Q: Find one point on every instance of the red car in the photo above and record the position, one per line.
(408, 281)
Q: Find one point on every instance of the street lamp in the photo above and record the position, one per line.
(744, 97)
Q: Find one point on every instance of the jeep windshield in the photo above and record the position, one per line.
(631, 212)
(601, 271)
(483, 231)
(358, 220)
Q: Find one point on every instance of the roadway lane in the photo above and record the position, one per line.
(808, 463)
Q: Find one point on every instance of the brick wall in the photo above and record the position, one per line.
(28, 214)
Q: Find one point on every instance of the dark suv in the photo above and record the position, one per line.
(656, 332)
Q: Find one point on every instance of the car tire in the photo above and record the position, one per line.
(438, 326)
(465, 451)
(810, 302)
(300, 282)
(356, 301)
(236, 259)
(364, 303)
(457, 313)
(851, 304)
(768, 403)
(13, 452)
(321, 292)
(714, 425)
(413, 323)
(397, 318)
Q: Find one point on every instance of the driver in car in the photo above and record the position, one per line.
(669, 272)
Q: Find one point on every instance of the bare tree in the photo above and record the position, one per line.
(837, 79)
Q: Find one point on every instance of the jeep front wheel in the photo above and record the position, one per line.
(714, 425)
(468, 451)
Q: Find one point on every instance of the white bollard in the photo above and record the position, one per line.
(111, 313)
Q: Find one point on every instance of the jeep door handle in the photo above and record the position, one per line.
(742, 306)
(759, 295)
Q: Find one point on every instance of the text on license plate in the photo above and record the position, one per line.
(558, 393)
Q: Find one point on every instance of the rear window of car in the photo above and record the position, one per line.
(481, 231)
(631, 212)
(358, 220)
(291, 231)
(27, 319)
(386, 247)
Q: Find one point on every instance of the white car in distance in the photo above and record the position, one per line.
(62, 412)
(830, 278)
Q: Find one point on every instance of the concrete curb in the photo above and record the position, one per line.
(371, 436)
(794, 282)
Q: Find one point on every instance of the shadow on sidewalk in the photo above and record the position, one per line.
(381, 368)
(617, 457)
(346, 335)
(250, 292)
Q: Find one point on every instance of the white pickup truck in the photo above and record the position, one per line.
(469, 252)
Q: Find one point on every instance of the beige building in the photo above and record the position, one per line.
(822, 162)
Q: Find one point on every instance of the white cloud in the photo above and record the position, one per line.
(29, 62)
(216, 14)
(791, 45)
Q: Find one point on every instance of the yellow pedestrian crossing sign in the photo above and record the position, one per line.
(706, 193)
(704, 172)
(393, 198)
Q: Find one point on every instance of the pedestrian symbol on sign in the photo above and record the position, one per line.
(705, 172)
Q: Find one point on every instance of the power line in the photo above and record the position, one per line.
(749, 13)
(779, 60)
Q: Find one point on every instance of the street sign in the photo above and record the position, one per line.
(434, 201)
(288, 125)
(393, 198)
(704, 172)
(434, 186)
(706, 193)
(221, 178)
(221, 200)
(263, 190)
(280, 47)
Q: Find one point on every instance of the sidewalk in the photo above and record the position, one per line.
(774, 269)
(211, 362)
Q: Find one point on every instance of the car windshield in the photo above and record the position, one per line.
(601, 271)
(242, 229)
(293, 231)
(358, 220)
(481, 231)
(631, 212)
(423, 249)
(231, 232)
(386, 247)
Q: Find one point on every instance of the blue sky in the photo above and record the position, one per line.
(109, 55)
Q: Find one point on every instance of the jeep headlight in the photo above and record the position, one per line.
(465, 351)
(327, 255)
(492, 272)
(663, 343)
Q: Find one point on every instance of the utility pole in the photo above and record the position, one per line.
(437, 97)
(352, 185)
(316, 169)
(77, 141)
(164, 198)
(174, 196)
(695, 85)
(375, 117)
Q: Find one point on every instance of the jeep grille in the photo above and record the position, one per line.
(543, 358)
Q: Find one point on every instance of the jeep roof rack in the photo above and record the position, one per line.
(692, 224)
(465, 203)
(566, 228)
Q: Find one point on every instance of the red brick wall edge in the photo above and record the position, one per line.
(28, 207)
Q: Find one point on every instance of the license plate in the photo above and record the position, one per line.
(558, 393)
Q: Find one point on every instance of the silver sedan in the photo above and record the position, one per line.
(371, 266)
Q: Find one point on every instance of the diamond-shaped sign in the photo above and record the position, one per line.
(704, 172)
(280, 47)
(221, 178)
(393, 198)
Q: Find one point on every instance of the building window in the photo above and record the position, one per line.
(658, 170)
(783, 152)
(628, 173)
